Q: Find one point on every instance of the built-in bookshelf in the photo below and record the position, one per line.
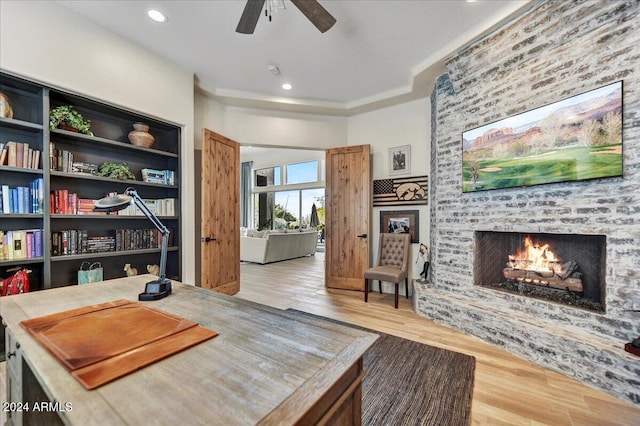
(48, 188)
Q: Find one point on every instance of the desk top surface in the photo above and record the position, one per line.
(265, 364)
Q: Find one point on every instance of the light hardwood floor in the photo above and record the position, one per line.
(507, 391)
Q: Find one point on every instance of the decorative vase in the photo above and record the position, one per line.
(141, 136)
(6, 111)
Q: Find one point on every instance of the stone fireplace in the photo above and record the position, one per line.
(561, 268)
(552, 51)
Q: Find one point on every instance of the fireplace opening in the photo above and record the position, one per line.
(561, 268)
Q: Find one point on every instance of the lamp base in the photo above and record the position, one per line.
(155, 290)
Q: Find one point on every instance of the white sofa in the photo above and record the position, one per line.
(273, 246)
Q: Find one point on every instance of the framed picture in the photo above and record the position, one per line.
(401, 222)
(400, 160)
(574, 139)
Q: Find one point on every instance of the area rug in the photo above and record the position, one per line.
(410, 383)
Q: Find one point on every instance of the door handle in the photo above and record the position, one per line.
(207, 239)
(362, 236)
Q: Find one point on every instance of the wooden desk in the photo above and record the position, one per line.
(265, 367)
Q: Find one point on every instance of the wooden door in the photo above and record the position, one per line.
(220, 238)
(348, 213)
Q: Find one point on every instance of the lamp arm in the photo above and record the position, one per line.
(156, 222)
(148, 213)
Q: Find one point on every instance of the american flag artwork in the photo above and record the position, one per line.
(401, 191)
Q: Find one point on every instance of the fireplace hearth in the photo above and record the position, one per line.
(560, 268)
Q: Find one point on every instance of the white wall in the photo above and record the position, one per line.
(405, 124)
(264, 127)
(45, 42)
(208, 114)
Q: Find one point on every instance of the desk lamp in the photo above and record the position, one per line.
(156, 289)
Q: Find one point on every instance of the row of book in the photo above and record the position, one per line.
(22, 199)
(159, 207)
(61, 201)
(165, 177)
(19, 154)
(78, 241)
(21, 244)
(60, 160)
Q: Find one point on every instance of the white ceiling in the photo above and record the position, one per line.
(378, 53)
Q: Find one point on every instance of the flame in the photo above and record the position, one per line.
(535, 257)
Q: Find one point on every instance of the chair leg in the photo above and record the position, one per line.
(380, 286)
(406, 287)
(366, 290)
(397, 285)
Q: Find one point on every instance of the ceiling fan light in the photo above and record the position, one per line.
(287, 86)
(156, 15)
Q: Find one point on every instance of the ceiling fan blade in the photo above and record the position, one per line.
(250, 15)
(317, 14)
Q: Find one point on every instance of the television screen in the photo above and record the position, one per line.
(574, 139)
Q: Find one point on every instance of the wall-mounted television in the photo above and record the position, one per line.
(574, 139)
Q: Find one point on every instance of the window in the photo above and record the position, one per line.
(302, 172)
(268, 177)
(281, 207)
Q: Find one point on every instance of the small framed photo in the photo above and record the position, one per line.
(401, 222)
(400, 160)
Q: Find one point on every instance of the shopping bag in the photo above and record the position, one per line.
(90, 273)
(16, 283)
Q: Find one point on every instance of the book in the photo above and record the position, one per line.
(3, 155)
(35, 163)
(19, 155)
(12, 155)
(6, 203)
(19, 245)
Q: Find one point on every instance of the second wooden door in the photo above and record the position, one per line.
(220, 238)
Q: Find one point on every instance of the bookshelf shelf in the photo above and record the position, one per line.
(134, 183)
(21, 170)
(15, 262)
(110, 125)
(107, 217)
(69, 257)
(108, 142)
(20, 124)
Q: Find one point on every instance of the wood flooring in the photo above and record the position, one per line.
(508, 390)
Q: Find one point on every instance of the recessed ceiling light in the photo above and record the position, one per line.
(157, 15)
(471, 1)
(287, 86)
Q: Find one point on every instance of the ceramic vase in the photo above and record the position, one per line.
(140, 136)
(6, 111)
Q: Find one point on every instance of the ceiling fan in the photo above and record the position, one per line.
(314, 12)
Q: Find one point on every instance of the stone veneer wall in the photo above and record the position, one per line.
(554, 50)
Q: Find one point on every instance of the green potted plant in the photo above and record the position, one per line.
(67, 118)
(115, 170)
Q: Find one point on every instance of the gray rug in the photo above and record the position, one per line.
(409, 383)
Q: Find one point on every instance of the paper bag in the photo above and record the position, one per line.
(90, 273)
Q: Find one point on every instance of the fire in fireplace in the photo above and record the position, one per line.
(562, 268)
(537, 264)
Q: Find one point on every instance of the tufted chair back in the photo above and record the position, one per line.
(393, 250)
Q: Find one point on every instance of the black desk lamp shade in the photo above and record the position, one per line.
(156, 289)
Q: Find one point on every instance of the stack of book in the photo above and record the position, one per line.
(159, 207)
(21, 244)
(165, 177)
(60, 160)
(85, 207)
(22, 199)
(61, 201)
(67, 242)
(19, 154)
(139, 239)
